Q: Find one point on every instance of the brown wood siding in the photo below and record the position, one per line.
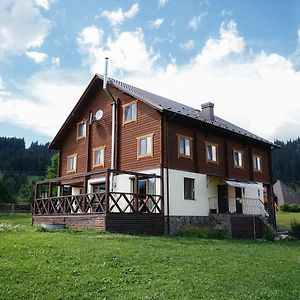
(226, 144)
(148, 122)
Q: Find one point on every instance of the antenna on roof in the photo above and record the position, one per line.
(105, 73)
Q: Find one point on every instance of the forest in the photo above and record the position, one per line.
(21, 167)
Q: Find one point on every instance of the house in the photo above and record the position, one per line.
(284, 194)
(133, 161)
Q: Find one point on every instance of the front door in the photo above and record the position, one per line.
(223, 199)
(145, 187)
(238, 200)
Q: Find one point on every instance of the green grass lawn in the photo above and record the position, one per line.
(284, 219)
(88, 264)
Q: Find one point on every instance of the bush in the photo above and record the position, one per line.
(269, 234)
(207, 232)
(295, 229)
(290, 207)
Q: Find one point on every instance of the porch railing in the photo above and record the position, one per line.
(246, 206)
(106, 202)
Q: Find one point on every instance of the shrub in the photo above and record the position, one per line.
(269, 234)
(207, 232)
(295, 229)
(290, 207)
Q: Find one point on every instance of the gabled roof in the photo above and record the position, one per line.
(165, 104)
(162, 104)
(285, 194)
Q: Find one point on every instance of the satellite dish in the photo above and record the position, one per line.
(98, 115)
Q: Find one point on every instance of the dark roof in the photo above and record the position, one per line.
(165, 104)
(285, 194)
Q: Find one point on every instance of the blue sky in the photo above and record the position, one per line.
(242, 55)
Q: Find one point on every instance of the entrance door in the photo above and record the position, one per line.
(145, 187)
(238, 200)
(223, 199)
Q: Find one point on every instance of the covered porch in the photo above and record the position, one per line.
(114, 200)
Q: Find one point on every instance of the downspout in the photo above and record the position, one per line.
(113, 125)
(167, 171)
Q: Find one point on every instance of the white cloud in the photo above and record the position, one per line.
(37, 57)
(162, 3)
(90, 36)
(48, 96)
(195, 22)
(42, 3)
(55, 61)
(156, 23)
(117, 17)
(127, 52)
(21, 27)
(188, 45)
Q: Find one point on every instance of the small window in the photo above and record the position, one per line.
(184, 146)
(238, 159)
(98, 157)
(145, 146)
(189, 188)
(257, 163)
(72, 163)
(211, 153)
(129, 112)
(81, 130)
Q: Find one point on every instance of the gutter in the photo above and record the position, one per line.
(113, 124)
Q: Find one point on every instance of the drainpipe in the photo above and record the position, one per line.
(113, 124)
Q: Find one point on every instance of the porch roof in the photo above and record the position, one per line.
(244, 184)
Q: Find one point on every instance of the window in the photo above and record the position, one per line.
(72, 163)
(211, 152)
(238, 159)
(81, 130)
(184, 146)
(98, 187)
(145, 146)
(129, 112)
(257, 163)
(189, 188)
(98, 157)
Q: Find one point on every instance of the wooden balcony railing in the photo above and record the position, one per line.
(106, 202)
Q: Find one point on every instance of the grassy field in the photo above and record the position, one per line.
(284, 219)
(87, 264)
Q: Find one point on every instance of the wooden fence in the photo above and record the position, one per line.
(15, 208)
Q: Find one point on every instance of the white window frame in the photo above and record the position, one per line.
(214, 149)
(192, 180)
(188, 146)
(239, 163)
(79, 136)
(257, 163)
(133, 115)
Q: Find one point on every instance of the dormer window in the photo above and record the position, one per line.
(238, 159)
(129, 112)
(72, 163)
(184, 146)
(257, 163)
(81, 130)
(211, 152)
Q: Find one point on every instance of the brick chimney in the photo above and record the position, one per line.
(208, 110)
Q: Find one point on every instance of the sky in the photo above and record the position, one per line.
(244, 56)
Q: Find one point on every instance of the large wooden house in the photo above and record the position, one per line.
(133, 161)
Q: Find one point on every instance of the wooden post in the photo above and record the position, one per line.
(136, 196)
(162, 195)
(107, 191)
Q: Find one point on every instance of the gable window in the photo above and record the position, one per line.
(72, 163)
(98, 157)
(211, 152)
(184, 146)
(238, 159)
(189, 188)
(129, 112)
(81, 130)
(257, 163)
(145, 146)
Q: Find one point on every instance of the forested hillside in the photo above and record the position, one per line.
(20, 167)
(286, 163)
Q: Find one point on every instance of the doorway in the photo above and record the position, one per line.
(223, 199)
(238, 200)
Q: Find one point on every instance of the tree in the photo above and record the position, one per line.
(26, 193)
(5, 195)
(52, 169)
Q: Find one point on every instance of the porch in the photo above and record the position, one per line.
(100, 203)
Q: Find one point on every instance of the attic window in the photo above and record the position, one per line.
(129, 112)
(257, 163)
(81, 130)
(238, 159)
